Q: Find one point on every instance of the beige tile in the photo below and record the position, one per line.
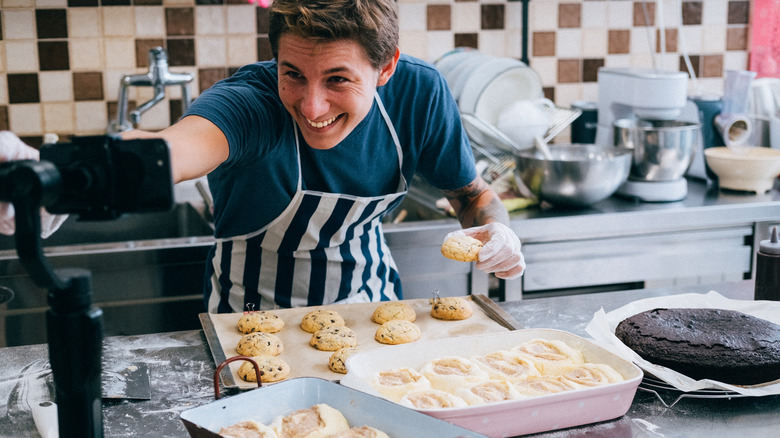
(209, 20)
(715, 12)
(25, 119)
(619, 14)
(178, 3)
(437, 44)
(210, 51)
(56, 86)
(543, 15)
(149, 21)
(51, 3)
(86, 54)
(465, 17)
(547, 68)
(111, 82)
(594, 42)
(594, 14)
(119, 53)
(411, 17)
(157, 117)
(713, 39)
(84, 22)
(241, 19)
(241, 50)
(3, 68)
(735, 60)
(58, 117)
(21, 56)
(690, 39)
(568, 43)
(641, 41)
(91, 117)
(8, 4)
(493, 42)
(19, 25)
(3, 89)
(118, 21)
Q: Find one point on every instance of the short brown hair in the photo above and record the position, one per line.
(371, 23)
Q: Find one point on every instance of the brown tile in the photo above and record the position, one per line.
(543, 43)
(51, 23)
(142, 48)
(23, 88)
(208, 2)
(264, 52)
(712, 66)
(232, 70)
(467, 40)
(32, 140)
(736, 38)
(112, 106)
(438, 17)
(82, 3)
(568, 71)
(53, 55)
(87, 86)
(114, 2)
(569, 15)
(262, 20)
(691, 13)
(492, 16)
(237, 2)
(618, 41)
(639, 14)
(694, 64)
(4, 126)
(181, 51)
(147, 2)
(179, 21)
(210, 76)
(739, 12)
(1, 25)
(175, 110)
(549, 93)
(590, 69)
(671, 40)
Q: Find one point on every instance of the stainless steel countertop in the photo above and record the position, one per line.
(182, 372)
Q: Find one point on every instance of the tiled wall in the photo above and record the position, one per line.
(61, 61)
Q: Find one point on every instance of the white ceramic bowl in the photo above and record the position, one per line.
(752, 169)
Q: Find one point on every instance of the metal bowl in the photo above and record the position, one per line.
(663, 149)
(579, 175)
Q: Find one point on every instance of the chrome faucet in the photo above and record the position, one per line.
(158, 77)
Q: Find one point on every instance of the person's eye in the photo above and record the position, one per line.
(338, 79)
(293, 75)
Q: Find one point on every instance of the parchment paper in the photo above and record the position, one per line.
(602, 329)
(307, 361)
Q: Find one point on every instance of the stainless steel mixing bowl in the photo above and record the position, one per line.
(662, 149)
(579, 175)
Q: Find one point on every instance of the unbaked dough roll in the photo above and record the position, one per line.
(550, 356)
(318, 421)
(452, 372)
(505, 364)
(542, 385)
(491, 391)
(591, 374)
(431, 399)
(248, 429)
(395, 383)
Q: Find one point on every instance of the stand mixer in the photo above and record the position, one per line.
(639, 109)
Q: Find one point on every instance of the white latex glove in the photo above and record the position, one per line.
(500, 254)
(12, 149)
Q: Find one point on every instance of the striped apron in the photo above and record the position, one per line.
(323, 248)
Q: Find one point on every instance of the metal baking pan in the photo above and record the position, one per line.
(360, 409)
(512, 417)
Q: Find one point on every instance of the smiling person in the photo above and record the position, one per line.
(306, 153)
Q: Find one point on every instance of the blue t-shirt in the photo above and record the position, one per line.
(257, 181)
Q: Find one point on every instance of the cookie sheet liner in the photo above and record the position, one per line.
(602, 329)
(307, 361)
(266, 403)
(512, 417)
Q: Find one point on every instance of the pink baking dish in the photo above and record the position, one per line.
(514, 417)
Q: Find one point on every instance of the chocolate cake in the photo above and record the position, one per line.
(717, 344)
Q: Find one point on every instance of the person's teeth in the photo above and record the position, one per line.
(321, 124)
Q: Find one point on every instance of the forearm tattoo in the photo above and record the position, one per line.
(477, 204)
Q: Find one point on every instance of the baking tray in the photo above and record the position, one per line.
(306, 361)
(512, 417)
(360, 409)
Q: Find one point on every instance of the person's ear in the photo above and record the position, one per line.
(387, 71)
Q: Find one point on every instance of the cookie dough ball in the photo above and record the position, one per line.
(361, 432)
(319, 319)
(451, 308)
(273, 369)
(248, 429)
(318, 421)
(395, 383)
(261, 321)
(258, 344)
(333, 338)
(431, 399)
(397, 331)
(393, 310)
(338, 360)
(462, 248)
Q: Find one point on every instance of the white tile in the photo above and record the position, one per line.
(438, 43)
(735, 60)
(25, 119)
(209, 20)
(178, 2)
(543, 15)
(411, 17)
(58, 117)
(493, 42)
(565, 94)
(668, 14)
(91, 117)
(547, 69)
(642, 42)
(594, 42)
(568, 43)
(119, 53)
(241, 19)
(175, 91)
(3, 68)
(594, 14)
(18, 4)
(51, 3)
(668, 61)
(620, 14)
(414, 43)
(241, 50)
(210, 51)
(56, 86)
(3, 89)
(19, 25)
(689, 39)
(157, 117)
(465, 17)
(641, 61)
(514, 40)
(617, 61)
(715, 12)
(84, 22)
(590, 92)
(149, 21)
(118, 21)
(713, 39)
(111, 82)
(21, 56)
(86, 54)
